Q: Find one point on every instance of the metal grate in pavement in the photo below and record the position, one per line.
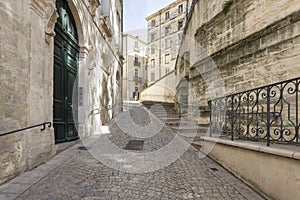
(134, 145)
(83, 148)
(214, 169)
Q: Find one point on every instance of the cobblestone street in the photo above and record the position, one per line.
(76, 174)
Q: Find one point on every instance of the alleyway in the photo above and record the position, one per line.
(76, 174)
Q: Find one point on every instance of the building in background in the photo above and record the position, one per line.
(135, 66)
(165, 29)
(53, 43)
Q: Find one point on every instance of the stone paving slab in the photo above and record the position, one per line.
(76, 174)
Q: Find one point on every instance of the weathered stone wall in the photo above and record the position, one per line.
(26, 79)
(255, 43)
(26, 86)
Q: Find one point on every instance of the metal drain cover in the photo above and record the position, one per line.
(83, 148)
(135, 145)
(214, 169)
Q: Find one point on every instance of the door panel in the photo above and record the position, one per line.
(66, 52)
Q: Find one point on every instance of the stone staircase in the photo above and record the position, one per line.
(180, 124)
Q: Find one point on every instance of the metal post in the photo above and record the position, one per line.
(297, 120)
(210, 129)
(232, 117)
(268, 116)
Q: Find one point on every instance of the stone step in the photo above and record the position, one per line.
(190, 139)
(167, 115)
(166, 106)
(160, 107)
(192, 135)
(177, 123)
(167, 119)
(162, 112)
(172, 119)
(190, 129)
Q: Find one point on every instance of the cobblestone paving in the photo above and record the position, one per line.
(84, 177)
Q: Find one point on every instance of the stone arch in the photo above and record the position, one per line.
(78, 21)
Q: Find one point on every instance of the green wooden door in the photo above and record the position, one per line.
(66, 52)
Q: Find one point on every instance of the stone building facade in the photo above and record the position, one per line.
(238, 47)
(45, 45)
(165, 30)
(135, 67)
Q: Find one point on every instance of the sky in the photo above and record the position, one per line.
(135, 12)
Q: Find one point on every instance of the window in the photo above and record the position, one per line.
(179, 38)
(152, 63)
(167, 15)
(152, 23)
(180, 24)
(167, 58)
(152, 76)
(136, 45)
(167, 43)
(167, 70)
(106, 8)
(152, 37)
(136, 58)
(167, 30)
(119, 36)
(152, 49)
(180, 8)
(136, 72)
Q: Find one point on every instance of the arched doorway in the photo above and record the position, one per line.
(66, 50)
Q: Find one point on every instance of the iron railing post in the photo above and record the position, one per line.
(210, 124)
(297, 120)
(268, 115)
(220, 116)
(232, 117)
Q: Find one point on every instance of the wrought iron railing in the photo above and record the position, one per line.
(30, 127)
(269, 113)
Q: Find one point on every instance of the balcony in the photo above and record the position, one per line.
(136, 63)
(137, 79)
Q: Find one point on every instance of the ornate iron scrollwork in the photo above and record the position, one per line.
(268, 113)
